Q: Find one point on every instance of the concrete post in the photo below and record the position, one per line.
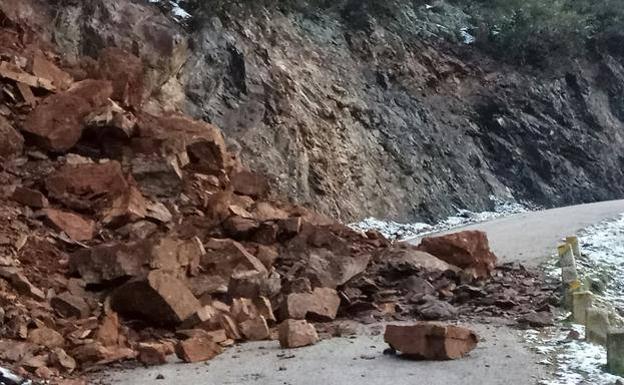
(597, 326)
(581, 301)
(615, 351)
(569, 275)
(574, 244)
(566, 255)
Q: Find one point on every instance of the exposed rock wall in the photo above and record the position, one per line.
(351, 111)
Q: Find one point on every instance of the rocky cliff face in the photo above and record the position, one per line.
(353, 111)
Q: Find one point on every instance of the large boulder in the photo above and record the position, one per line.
(88, 180)
(57, 122)
(431, 341)
(160, 299)
(125, 71)
(466, 249)
(111, 261)
(322, 303)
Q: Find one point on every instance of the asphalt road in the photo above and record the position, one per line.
(501, 358)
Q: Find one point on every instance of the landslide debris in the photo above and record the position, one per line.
(126, 235)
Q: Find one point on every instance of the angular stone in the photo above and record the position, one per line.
(108, 331)
(197, 349)
(240, 228)
(249, 183)
(206, 317)
(251, 284)
(243, 309)
(264, 211)
(255, 329)
(289, 227)
(19, 282)
(41, 67)
(151, 353)
(177, 256)
(130, 206)
(59, 358)
(230, 327)
(69, 305)
(537, 319)
(110, 261)
(125, 71)
(407, 258)
(465, 249)
(431, 341)
(263, 304)
(157, 175)
(57, 122)
(322, 303)
(159, 212)
(296, 334)
(47, 337)
(15, 73)
(266, 234)
(11, 141)
(161, 299)
(96, 353)
(267, 255)
(89, 180)
(112, 116)
(30, 197)
(224, 257)
(75, 226)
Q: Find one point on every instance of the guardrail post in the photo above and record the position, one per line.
(615, 351)
(581, 302)
(573, 241)
(569, 275)
(597, 326)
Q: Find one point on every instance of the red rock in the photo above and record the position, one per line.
(249, 183)
(296, 334)
(255, 329)
(30, 197)
(218, 336)
(206, 317)
(230, 327)
(18, 280)
(11, 141)
(177, 256)
(408, 257)
(88, 180)
(125, 71)
(110, 261)
(111, 116)
(267, 255)
(16, 351)
(263, 304)
(322, 303)
(69, 305)
(96, 353)
(240, 228)
(152, 353)
(466, 249)
(41, 67)
(57, 122)
(243, 309)
(251, 284)
(75, 226)
(130, 206)
(160, 298)
(157, 176)
(59, 358)
(290, 227)
(224, 257)
(47, 337)
(197, 349)
(45, 373)
(108, 332)
(431, 341)
(264, 211)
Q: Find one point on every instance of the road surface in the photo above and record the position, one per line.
(501, 358)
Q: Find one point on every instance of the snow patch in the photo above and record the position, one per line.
(402, 231)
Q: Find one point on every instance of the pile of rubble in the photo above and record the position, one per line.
(125, 234)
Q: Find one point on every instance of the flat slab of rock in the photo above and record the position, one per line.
(77, 227)
(197, 349)
(11, 141)
(465, 249)
(431, 341)
(322, 303)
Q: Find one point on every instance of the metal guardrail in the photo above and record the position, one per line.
(603, 325)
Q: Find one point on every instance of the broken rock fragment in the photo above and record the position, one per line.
(110, 261)
(197, 349)
(69, 305)
(125, 71)
(296, 333)
(466, 249)
(88, 180)
(152, 353)
(431, 341)
(322, 303)
(255, 329)
(160, 298)
(11, 141)
(75, 226)
(18, 280)
(30, 197)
